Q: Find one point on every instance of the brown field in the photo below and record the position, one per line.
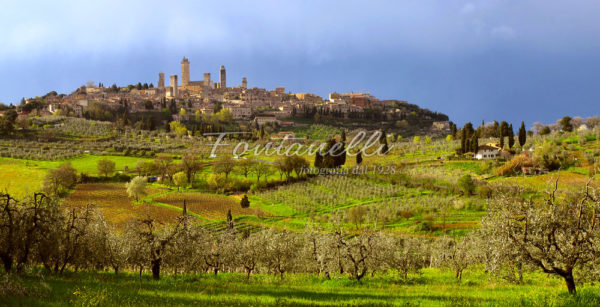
(210, 206)
(115, 204)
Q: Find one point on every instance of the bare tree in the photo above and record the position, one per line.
(406, 254)
(454, 254)
(157, 241)
(21, 227)
(356, 252)
(557, 235)
(280, 249)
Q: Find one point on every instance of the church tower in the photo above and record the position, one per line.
(185, 72)
(223, 77)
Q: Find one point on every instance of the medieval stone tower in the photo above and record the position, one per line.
(223, 78)
(207, 79)
(161, 80)
(244, 82)
(173, 84)
(185, 72)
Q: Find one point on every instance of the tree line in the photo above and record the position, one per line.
(558, 234)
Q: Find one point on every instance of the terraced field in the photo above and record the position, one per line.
(115, 204)
(210, 206)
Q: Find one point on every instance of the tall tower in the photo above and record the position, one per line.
(161, 80)
(173, 84)
(206, 79)
(244, 82)
(185, 72)
(223, 77)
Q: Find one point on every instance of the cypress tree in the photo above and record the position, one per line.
(504, 128)
(511, 137)
(495, 129)
(501, 139)
(474, 143)
(522, 134)
(453, 130)
(318, 160)
(229, 219)
(359, 157)
(383, 141)
(463, 141)
(245, 203)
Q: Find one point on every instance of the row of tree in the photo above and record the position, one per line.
(470, 137)
(558, 235)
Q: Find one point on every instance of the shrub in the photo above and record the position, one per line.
(427, 222)
(407, 213)
(485, 191)
(466, 185)
(551, 157)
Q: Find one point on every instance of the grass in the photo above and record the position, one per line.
(21, 177)
(566, 180)
(432, 288)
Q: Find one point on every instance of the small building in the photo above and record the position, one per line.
(286, 124)
(283, 134)
(488, 151)
(238, 112)
(441, 126)
(261, 120)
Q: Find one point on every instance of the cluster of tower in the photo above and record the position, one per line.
(206, 84)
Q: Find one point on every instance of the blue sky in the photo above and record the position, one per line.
(473, 60)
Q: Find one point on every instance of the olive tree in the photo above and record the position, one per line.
(357, 252)
(106, 167)
(406, 254)
(315, 254)
(60, 179)
(455, 254)
(280, 251)
(22, 226)
(136, 187)
(557, 235)
(156, 241)
(191, 164)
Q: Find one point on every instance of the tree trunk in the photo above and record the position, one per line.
(7, 263)
(570, 282)
(156, 269)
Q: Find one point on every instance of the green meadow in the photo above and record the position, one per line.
(431, 288)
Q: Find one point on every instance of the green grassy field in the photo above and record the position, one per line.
(431, 288)
(21, 177)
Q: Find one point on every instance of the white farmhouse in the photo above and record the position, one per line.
(488, 151)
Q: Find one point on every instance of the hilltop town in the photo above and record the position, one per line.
(183, 98)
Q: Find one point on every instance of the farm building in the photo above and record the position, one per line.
(488, 151)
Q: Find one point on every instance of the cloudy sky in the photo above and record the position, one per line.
(473, 60)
